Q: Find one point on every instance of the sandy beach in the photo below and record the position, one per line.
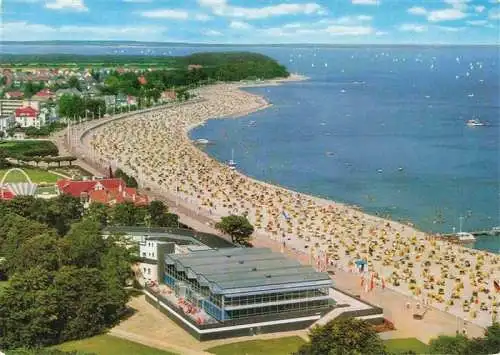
(155, 148)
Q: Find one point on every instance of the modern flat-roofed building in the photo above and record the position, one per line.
(155, 243)
(227, 292)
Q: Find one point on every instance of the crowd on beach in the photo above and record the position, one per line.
(155, 148)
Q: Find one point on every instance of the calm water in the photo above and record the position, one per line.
(382, 128)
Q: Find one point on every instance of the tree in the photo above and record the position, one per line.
(156, 210)
(344, 336)
(98, 213)
(4, 164)
(28, 311)
(127, 214)
(84, 306)
(238, 227)
(83, 245)
(169, 220)
(461, 345)
(73, 82)
(39, 251)
(453, 345)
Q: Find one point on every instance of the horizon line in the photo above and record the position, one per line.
(251, 44)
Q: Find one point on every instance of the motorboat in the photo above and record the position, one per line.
(465, 237)
(475, 123)
(202, 141)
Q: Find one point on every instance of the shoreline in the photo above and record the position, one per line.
(401, 235)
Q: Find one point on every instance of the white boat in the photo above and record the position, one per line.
(231, 163)
(475, 123)
(202, 141)
(465, 237)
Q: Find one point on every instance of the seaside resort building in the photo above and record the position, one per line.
(214, 290)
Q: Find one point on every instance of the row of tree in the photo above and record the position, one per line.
(349, 336)
(74, 106)
(127, 214)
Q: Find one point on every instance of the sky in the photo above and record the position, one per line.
(254, 21)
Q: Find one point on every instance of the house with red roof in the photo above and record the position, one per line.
(142, 80)
(107, 191)
(27, 117)
(14, 95)
(44, 95)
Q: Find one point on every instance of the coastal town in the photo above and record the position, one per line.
(34, 101)
(103, 154)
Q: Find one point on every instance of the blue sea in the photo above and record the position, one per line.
(383, 128)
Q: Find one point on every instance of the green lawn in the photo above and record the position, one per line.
(110, 345)
(404, 345)
(36, 175)
(29, 147)
(280, 346)
(46, 190)
(286, 346)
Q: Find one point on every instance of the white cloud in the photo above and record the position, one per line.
(446, 15)
(212, 33)
(457, 4)
(239, 25)
(222, 8)
(411, 27)
(73, 5)
(494, 14)
(348, 20)
(449, 28)
(138, 1)
(477, 22)
(416, 10)
(381, 33)
(365, 2)
(479, 8)
(202, 17)
(24, 31)
(349, 30)
(166, 13)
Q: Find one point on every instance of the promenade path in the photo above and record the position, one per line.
(395, 305)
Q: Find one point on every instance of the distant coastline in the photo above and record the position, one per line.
(284, 45)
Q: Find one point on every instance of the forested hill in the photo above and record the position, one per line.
(216, 65)
(237, 65)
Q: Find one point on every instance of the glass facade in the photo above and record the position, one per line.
(224, 308)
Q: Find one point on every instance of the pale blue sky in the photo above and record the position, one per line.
(254, 21)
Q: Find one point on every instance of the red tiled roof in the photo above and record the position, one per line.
(114, 196)
(76, 188)
(44, 92)
(114, 191)
(26, 111)
(142, 80)
(15, 94)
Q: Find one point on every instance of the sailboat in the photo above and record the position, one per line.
(464, 237)
(231, 163)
